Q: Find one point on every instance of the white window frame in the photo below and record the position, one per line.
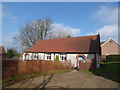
(35, 54)
(48, 55)
(63, 56)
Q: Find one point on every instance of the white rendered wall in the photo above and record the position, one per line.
(89, 56)
(29, 54)
(45, 56)
(23, 56)
(52, 56)
(41, 56)
(73, 58)
(98, 60)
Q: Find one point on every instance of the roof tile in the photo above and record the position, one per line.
(71, 44)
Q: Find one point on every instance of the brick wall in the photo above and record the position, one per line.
(110, 48)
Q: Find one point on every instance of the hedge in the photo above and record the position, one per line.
(113, 58)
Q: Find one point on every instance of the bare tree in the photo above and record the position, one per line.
(34, 31)
(59, 34)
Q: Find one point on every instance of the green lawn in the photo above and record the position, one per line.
(109, 70)
(108, 67)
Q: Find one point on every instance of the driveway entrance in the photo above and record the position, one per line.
(73, 79)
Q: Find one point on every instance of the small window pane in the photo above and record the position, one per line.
(62, 56)
(27, 57)
(80, 58)
(48, 55)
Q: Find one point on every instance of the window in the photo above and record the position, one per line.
(48, 55)
(80, 58)
(62, 56)
(35, 56)
(26, 57)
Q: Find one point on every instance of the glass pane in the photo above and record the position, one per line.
(27, 57)
(48, 54)
(80, 58)
(62, 53)
(65, 58)
(62, 58)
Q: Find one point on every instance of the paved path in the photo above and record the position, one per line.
(73, 79)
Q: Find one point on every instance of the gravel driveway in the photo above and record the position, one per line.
(73, 79)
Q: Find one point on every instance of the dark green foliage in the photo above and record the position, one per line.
(18, 55)
(113, 58)
(13, 53)
(10, 53)
(56, 59)
(110, 70)
(108, 67)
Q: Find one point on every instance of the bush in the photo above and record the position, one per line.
(103, 60)
(56, 59)
(10, 53)
(113, 58)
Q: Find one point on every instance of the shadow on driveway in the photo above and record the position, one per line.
(44, 83)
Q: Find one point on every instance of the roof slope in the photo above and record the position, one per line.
(71, 44)
(110, 39)
(2, 50)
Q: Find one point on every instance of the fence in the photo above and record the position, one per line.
(87, 64)
(13, 68)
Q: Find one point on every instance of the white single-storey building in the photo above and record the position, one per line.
(86, 48)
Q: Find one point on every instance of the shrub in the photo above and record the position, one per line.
(56, 59)
(10, 53)
(113, 58)
(103, 60)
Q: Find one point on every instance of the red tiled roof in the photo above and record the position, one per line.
(2, 50)
(88, 44)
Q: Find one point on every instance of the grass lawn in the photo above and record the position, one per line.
(108, 67)
(110, 70)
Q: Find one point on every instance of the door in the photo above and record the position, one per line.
(80, 59)
(27, 57)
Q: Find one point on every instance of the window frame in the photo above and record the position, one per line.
(35, 54)
(63, 56)
(48, 55)
(26, 57)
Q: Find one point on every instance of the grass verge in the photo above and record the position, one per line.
(108, 67)
(110, 70)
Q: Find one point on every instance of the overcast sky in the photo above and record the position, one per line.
(80, 18)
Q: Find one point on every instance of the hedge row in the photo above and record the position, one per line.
(111, 58)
